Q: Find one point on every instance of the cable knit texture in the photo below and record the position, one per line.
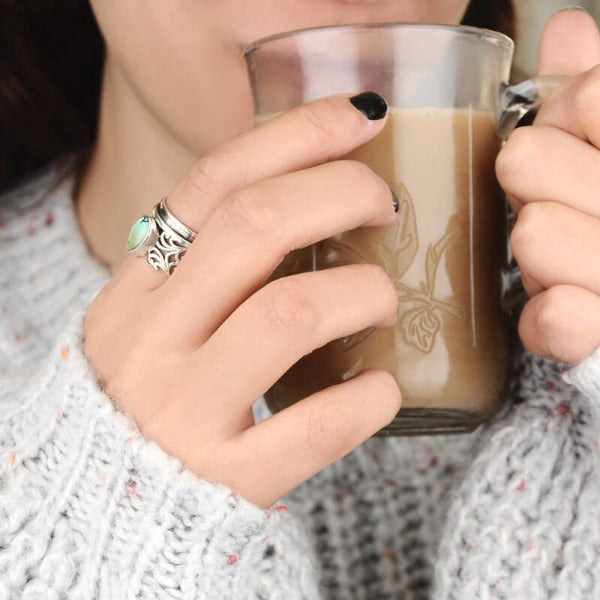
(89, 509)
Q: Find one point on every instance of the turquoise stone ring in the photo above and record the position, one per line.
(141, 234)
(162, 238)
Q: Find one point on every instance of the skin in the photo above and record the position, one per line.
(166, 129)
(550, 173)
(163, 104)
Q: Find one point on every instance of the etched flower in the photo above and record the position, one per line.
(420, 326)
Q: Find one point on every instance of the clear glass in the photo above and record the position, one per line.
(447, 89)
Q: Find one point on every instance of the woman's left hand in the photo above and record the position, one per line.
(551, 173)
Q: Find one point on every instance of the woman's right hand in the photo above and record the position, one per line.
(186, 356)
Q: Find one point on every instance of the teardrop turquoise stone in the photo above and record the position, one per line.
(138, 234)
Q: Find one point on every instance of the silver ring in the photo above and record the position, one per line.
(162, 238)
(160, 212)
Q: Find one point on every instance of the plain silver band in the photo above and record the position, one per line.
(171, 222)
(173, 240)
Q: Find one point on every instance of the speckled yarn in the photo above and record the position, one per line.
(89, 509)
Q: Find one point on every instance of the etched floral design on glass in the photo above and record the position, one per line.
(420, 313)
(423, 320)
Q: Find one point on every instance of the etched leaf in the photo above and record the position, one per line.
(406, 293)
(420, 326)
(454, 311)
(430, 270)
(400, 246)
(434, 255)
(393, 247)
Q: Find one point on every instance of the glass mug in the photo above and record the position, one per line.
(450, 106)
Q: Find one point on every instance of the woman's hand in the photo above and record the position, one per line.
(187, 356)
(551, 173)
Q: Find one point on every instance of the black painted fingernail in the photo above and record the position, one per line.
(370, 104)
(395, 200)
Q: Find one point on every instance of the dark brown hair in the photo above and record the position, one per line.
(492, 14)
(51, 55)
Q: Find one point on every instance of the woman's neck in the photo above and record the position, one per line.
(136, 160)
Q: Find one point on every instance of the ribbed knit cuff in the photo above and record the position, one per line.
(91, 509)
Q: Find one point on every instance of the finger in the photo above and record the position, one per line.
(573, 108)
(282, 452)
(284, 321)
(570, 44)
(303, 137)
(251, 232)
(562, 323)
(556, 245)
(308, 135)
(544, 163)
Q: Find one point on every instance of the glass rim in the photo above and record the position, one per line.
(489, 35)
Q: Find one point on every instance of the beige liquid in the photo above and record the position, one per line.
(445, 253)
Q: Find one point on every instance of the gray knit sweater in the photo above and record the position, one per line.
(90, 509)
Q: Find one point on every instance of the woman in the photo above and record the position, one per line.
(175, 492)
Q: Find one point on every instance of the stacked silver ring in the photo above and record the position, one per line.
(162, 238)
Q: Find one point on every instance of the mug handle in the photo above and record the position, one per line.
(522, 98)
(516, 101)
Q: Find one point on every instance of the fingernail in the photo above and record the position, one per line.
(395, 201)
(370, 104)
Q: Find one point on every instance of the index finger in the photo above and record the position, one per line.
(306, 136)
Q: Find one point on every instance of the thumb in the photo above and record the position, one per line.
(570, 44)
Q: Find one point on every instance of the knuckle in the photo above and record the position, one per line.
(249, 213)
(203, 175)
(324, 434)
(516, 153)
(317, 123)
(329, 128)
(525, 234)
(587, 95)
(287, 309)
(360, 177)
(318, 118)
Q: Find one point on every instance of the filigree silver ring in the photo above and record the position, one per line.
(162, 238)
